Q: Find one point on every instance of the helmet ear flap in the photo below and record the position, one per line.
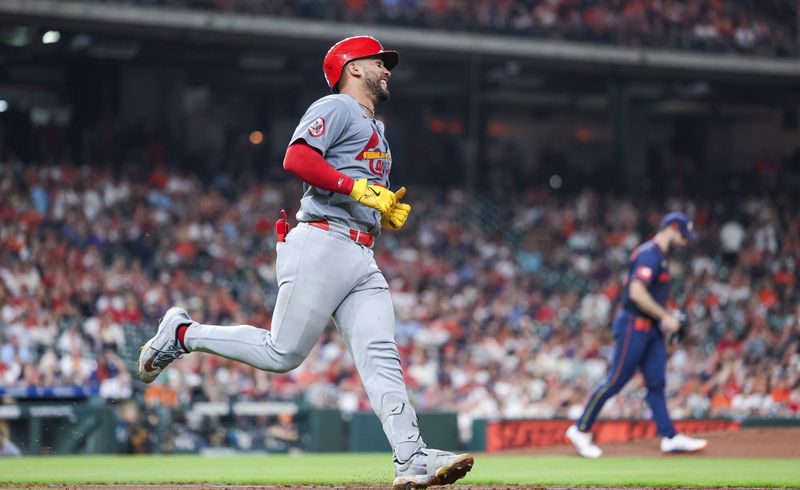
(338, 83)
(353, 48)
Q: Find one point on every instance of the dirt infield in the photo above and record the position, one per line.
(746, 443)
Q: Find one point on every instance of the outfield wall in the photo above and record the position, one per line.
(521, 434)
(91, 428)
(61, 428)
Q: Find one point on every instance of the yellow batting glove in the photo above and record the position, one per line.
(373, 196)
(398, 214)
(396, 217)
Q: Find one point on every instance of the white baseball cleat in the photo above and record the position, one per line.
(681, 443)
(428, 467)
(582, 442)
(163, 348)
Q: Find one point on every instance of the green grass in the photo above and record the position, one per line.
(377, 469)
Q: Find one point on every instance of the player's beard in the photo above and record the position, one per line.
(374, 87)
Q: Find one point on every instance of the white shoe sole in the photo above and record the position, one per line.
(141, 372)
(578, 450)
(446, 475)
(684, 451)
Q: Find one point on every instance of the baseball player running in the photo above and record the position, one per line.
(639, 329)
(325, 265)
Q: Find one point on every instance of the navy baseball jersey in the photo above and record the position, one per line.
(649, 265)
(352, 143)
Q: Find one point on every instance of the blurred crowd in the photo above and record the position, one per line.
(762, 27)
(503, 310)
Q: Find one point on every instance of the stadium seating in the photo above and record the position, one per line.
(499, 314)
(702, 25)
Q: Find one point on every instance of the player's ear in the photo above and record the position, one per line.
(353, 68)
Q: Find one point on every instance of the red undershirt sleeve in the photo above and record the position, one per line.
(307, 164)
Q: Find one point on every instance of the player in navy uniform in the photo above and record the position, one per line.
(639, 330)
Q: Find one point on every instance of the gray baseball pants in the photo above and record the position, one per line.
(323, 274)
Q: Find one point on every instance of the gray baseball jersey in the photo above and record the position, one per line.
(352, 143)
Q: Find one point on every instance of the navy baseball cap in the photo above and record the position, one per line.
(681, 222)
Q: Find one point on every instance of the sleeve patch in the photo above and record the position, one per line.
(644, 273)
(317, 128)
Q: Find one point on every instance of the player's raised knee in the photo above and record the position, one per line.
(287, 362)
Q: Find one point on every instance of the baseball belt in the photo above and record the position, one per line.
(358, 236)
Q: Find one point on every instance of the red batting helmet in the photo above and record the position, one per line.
(350, 49)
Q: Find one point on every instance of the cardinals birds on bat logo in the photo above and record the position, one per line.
(377, 158)
(317, 128)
